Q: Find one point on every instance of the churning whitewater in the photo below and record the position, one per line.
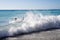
(31, 23)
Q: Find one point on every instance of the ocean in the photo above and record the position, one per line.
(28, 21)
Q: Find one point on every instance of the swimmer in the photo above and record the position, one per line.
(15, 19)
(18, 20)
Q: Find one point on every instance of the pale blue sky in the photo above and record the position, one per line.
(29, 4)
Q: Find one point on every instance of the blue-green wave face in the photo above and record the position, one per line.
(6, 15)
(26, 21)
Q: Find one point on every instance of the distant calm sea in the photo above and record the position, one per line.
(27, 21)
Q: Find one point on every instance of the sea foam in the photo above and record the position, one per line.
(31, 23)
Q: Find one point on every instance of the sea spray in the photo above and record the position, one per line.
(32, 23)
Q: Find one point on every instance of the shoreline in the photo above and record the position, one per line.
(44, 35)
(31, 35)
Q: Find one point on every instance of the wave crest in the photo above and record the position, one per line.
(31, 23)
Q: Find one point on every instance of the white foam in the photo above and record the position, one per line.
(34, 22)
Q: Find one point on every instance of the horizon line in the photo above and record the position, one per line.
(25, 9)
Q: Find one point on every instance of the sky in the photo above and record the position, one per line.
(29, 4)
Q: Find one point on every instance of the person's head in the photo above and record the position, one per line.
(15, 18)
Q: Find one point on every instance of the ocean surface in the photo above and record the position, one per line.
(27, 21)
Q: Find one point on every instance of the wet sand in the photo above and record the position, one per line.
(44, 35)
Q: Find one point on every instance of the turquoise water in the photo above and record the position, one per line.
(28, 21)
(6, 15)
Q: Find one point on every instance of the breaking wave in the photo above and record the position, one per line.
(31, 23)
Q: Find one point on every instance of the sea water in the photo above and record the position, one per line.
(27, 21)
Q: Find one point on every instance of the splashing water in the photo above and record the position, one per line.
(31, 23)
